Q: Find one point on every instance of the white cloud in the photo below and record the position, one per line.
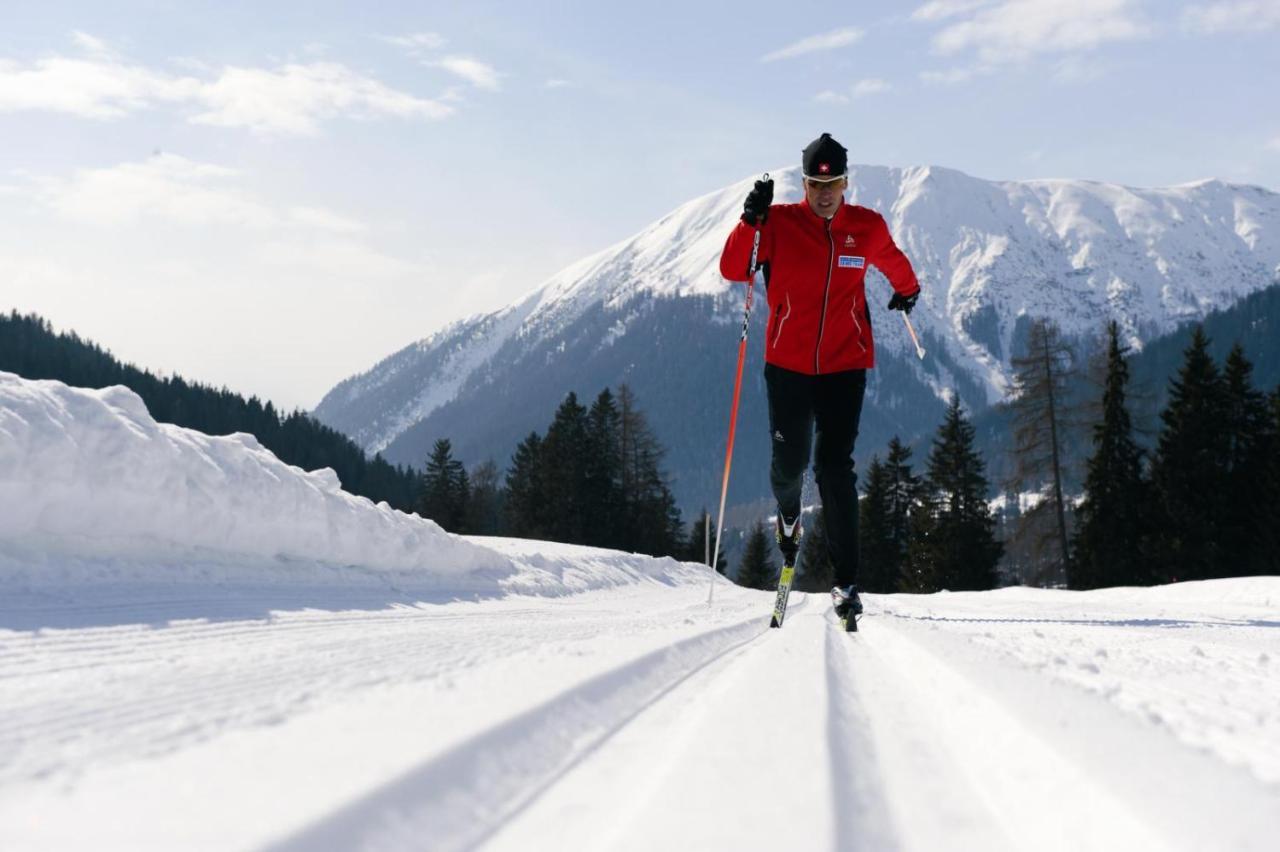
(165, 188)
(168, 190)
(294, 98)
(290, 99)
(813, 44)
(90, 88)
(860, 89)
(870, 86)
(941, 9)
(90, 44)
(1235, 16)
(474, 71)
(1274, 144)
(417, 42)
(1013, 30)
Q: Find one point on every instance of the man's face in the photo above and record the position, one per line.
(824, 195)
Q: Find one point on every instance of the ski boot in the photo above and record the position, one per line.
(848, 606)
(788, 536)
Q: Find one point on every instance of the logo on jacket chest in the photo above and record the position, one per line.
(849, 241)
(852, 261)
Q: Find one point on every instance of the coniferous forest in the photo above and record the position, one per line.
(1201, 500)
(30, 348)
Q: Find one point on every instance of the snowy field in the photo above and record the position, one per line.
(202, 648)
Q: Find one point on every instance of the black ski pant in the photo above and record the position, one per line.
(833, 403)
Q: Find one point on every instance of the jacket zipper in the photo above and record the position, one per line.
(826, 292)
(780, 319)
(853, 315)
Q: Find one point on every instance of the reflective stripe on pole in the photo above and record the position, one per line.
(733, 415)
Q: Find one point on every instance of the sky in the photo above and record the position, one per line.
(273, 197)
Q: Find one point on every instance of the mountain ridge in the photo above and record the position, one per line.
(990, 255)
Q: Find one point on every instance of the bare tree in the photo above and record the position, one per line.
(1040, 383)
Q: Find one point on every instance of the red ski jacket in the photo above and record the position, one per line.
(818, 316)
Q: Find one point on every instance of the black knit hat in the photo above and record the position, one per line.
(825, 159)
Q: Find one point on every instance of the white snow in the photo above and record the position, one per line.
(185, 664)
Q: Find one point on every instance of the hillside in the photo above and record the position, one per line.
(653, 311)
(29, 347)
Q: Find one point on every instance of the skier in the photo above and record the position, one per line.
(814, 256)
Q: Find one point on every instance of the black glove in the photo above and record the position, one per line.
(903, 303)
(756, 210)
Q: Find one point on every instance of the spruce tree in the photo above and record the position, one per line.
(879, 564)
(1040, 421)
(602, 488)
(445, 488)
(960, 551)
(484, 508)
(816, 573)
(892, 497)
(904, 491)
(564, 466)
(651, 521)
(1247, 428)
(524, 502)
(1114, 519)
(1270, 542)
(758, 570)
(696, 548)
(1189, 472)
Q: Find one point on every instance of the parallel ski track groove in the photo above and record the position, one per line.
(461, 798)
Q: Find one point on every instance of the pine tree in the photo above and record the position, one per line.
(878, 571)
(757, 570)
(1247, 429)
(651, 521)
(696, 549)
(564, 466)
(1189, 472)
(1270, 540)
(957, 550)
(816, 573)
(892, 497)
(1113, 520)
(445, 488)
(1040, 421)
(525, 505)
(484, 509)
(602, 469)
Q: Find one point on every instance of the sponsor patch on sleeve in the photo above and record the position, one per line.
(852, 261)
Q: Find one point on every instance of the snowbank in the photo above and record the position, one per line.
(93, 491)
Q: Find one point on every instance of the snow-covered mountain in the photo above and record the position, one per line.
(653, 311)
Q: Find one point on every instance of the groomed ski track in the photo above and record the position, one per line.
(637, 718)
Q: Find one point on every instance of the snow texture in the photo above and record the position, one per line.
(184, 664)
(96, 493)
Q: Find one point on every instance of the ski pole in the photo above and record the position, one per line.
(912, 332)
(733, 413)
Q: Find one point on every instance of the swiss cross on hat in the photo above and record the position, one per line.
(824, 157)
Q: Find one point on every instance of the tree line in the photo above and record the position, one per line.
(594, 477)
(30, 348)
(917, 533)
(1204, 502)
